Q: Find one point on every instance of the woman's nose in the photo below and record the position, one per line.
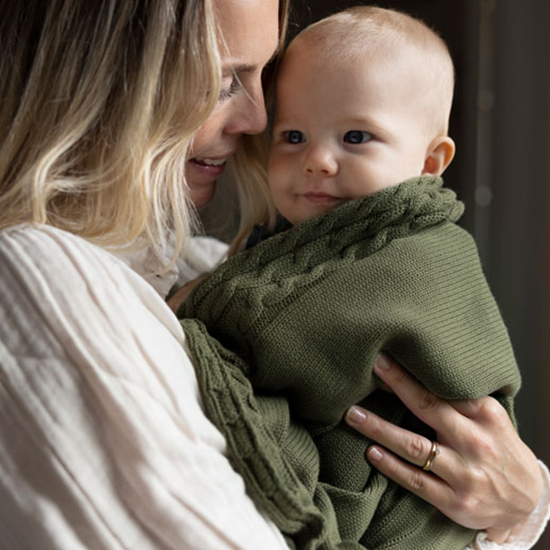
(320, 161)
(251, 116)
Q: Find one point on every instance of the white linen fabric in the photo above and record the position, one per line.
(103, 442)
(202, 254)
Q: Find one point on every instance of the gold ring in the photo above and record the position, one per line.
(435, 450)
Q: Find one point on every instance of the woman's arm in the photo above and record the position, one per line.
(485, 478)
(103, 443)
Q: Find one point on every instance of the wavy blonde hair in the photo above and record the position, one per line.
(99, 104)
(249, 167)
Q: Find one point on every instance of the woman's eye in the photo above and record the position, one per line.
(230, 91)
(294, 136)
(357, 136)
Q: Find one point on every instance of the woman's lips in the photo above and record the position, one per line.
(320, 198)
(211, 167)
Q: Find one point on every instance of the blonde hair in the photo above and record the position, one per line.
(249, 167)
(364, 32)
(99, 104)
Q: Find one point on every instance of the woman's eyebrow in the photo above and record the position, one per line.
(247, 67)
(239, 69)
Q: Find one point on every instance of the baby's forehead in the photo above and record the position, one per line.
(392, 84)
(384, 66)
(356, 46)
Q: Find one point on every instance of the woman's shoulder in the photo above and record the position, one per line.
(74, 307)
(46, 264)
(50, 251)
(47, 270)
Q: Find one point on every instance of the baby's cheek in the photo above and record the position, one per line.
(273, 168)
(278, 170)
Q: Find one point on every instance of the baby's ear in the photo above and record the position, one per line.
(440, 154)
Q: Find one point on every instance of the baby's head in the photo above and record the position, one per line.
(363, 103)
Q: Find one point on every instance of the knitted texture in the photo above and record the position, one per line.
(291, 330)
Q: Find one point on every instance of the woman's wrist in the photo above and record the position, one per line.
(525, 535)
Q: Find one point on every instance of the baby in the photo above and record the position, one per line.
(363, 102)
(370, 260)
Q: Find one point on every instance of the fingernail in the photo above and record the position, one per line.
(374, 454)
(382, 362)
(356, 415)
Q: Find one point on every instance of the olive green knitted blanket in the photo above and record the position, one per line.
(284, 336)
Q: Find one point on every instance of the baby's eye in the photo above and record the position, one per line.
(294, 136)
(357, 136)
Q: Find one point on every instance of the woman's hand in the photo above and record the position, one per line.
(485, 477)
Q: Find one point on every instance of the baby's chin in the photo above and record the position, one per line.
(299, 216)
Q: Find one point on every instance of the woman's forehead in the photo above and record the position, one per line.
(249, 30)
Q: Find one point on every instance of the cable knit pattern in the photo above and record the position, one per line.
(323, 244)
(302, 316)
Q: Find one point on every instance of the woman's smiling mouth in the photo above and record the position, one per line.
(213, 167)
(209, 162)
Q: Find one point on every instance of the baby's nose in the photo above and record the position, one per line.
(320, 161)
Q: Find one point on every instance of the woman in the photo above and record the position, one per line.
(113, 120)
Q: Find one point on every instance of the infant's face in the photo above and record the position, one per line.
(342, 133)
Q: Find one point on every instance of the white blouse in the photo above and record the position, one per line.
(103, 442)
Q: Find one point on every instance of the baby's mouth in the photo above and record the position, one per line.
(321, 198)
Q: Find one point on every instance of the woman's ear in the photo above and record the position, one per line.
(440, 154)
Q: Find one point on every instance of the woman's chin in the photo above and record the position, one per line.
(203, 195)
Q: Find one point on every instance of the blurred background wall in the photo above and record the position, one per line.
(500, 122)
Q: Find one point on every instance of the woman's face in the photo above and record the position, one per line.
(250, 33)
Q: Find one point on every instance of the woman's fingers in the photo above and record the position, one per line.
(427, 486)
(484, 478)
(434, 490)
(426, 406)
(410, 446)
